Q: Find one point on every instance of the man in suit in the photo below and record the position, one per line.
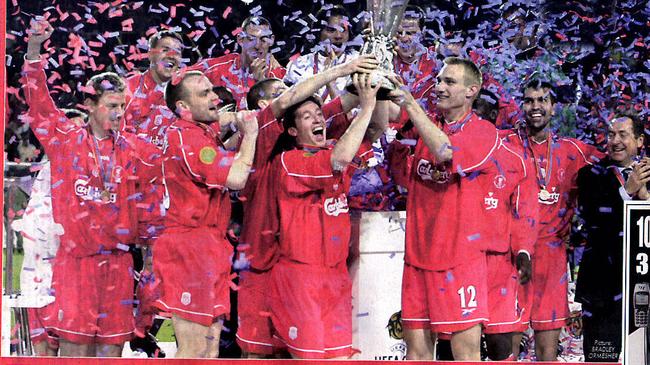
(602, 189)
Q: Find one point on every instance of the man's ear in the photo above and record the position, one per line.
(262, 104)
(293, 131)
(182, 105)
(472, 91)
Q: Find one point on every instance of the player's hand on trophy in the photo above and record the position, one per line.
(367, 93)
(38, 32)
(362, 64)
(524, 268)
(401, 94)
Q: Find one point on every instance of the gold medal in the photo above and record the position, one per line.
(544, 195)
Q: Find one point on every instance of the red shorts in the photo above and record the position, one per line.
(445, 301)
(94, 298)
(254, 332)
(311, 309)
(38, 330)
(544, 299)
(502, 294)
(192, 270)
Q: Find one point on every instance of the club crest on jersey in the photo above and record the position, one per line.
(93, 193)
(499, 181)
(336, 206)
(548, 197)
(427, 171)
(491, 202)
(186, 298)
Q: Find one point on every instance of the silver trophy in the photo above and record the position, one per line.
(385, 18)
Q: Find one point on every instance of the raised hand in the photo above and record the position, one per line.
(38, 32)
(361, 64)
(259, 68)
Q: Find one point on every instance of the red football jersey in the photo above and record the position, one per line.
(146, 113)
(227, 71)
(260, 223)
(314, 219)
(195, 169)
(557, 166)
(509, 202)
(424, 67)
(94, 181)
(442, 202)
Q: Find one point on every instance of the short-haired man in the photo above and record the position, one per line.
(239, 71)
(93, 176)
(333, 25)
(413, 61)
(194, 280)
(444, 287)
(557, 161)
(313, 316)
(602, 190)
(273, 98)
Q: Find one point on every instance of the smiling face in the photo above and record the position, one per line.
(165, 58)
(452, 93)
(622, 144)
(408, 37)
(255, 41)
(538, 108)
(336, 33)
(310, 126)
(199, 101)
(108, 111)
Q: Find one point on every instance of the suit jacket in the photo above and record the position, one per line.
(599, 284)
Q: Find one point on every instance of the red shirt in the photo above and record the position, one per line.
(195, 169)
(424, 67)
(314, 219)
(509, 202)
(94, 182)
(227, 71)
(442, 205)
(558, 173)
(261, 223)
(147, 115)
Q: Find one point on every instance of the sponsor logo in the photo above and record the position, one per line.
(207, 155)
(491, 202)
(427, 171)
(336, 206)
(93, 193)
(548, 198)
(186, 298)
(499, 181)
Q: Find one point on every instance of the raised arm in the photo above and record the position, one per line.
(309, 86)
(348, 145)
(433, 137)
(241, 166)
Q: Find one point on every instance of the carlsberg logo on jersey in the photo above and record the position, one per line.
(336, 206)
(89, 192)
(427, 171)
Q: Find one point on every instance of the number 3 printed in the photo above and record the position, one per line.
(471, 293)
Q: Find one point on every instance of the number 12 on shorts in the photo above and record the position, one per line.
(471, 295)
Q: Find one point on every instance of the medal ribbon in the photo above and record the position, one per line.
(542, 180)
(106, 176)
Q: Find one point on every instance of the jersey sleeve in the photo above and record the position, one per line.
(201, 159)
(48, 123)
(270, 130)
(304, 171)
(336, 117)
(473, 146)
